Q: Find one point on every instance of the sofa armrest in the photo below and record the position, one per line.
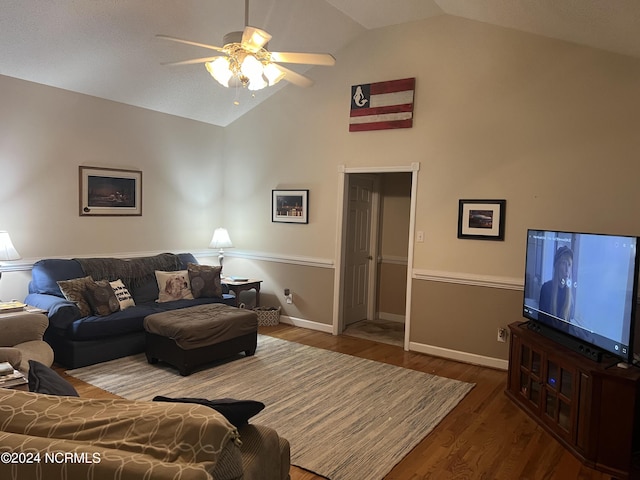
(23, 327)
(11, 355)
(68, 460)
(264, 453)
(61, 312)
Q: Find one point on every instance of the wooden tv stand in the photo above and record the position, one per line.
(592, 410)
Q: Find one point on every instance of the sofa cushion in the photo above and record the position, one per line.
(43, 379)
(145, 292)
(74, 290)
(238, 412)
(45, 274)
(173, 285)
(119, 323)
(134, 439)
(101, 297)
(205, 280)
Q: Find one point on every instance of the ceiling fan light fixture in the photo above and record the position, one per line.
(257, 83)
(219, 69)
(257, 41)
(251, 67)
(245, 60)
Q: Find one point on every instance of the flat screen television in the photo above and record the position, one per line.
(584, 287)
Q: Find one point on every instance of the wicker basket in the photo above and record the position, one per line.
(268, 316)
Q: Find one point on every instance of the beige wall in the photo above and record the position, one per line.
(549, 126)
(308, 296)
(499, 114)
(47, 133)
(462, 318)
(395, 192)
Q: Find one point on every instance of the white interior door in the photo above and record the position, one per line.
(358, 254)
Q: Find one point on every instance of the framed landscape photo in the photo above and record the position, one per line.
(110, 192)
(481, 219)
(290, 206)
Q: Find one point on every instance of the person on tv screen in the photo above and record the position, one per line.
(556, 297)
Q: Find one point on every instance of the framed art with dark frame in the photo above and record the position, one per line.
(290, 206)
(481, 219)
(110, 192)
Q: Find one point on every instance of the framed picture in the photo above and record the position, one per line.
(110, 192)
(290, 206)
(481, 219)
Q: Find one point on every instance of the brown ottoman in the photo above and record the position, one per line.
(190, 337)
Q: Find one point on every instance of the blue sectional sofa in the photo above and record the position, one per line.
(79, 340)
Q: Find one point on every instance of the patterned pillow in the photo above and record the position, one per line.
(74, 290)
(205, 280)
(102, 298)
(173, 285)
(122, 294)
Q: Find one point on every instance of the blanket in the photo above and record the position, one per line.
(133, 272)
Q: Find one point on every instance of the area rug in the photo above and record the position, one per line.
(345, 417)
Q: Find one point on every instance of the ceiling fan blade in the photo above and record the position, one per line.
(189, 42)
(190, 62)
(294, 77)
(253, 39)
(306, 58)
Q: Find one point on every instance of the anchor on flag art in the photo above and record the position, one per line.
(382, 105)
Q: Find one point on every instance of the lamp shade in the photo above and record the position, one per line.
(7, 250)
(221, 239)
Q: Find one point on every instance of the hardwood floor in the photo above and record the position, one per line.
(485, 437)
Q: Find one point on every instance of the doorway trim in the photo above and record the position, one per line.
(343, 171)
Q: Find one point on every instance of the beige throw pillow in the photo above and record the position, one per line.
(173, 285)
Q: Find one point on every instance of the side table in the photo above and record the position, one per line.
(237, 286)
(27, 309)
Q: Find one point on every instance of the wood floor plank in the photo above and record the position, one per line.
(485, 437)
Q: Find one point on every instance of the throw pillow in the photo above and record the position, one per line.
(102, 298)
(173, 285)
(238, 412)
(122, 294)
(205, 280)
(42, 379)
(74, 290)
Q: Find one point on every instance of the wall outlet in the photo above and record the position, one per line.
(502, 334)
(288, 296)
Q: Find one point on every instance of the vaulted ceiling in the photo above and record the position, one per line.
(109, 48)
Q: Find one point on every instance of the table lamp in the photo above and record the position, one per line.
(221, 240)
(7, 250)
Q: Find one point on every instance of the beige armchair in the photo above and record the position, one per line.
(21, 340)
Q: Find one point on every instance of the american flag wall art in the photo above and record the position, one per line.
(382, 105)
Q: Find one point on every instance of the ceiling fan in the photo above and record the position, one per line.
(245, 61)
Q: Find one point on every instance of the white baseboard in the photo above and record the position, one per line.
(300, 322)
(459, 356)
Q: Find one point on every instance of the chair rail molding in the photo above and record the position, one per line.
(491, 281)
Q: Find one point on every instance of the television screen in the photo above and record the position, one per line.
(583, 285)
